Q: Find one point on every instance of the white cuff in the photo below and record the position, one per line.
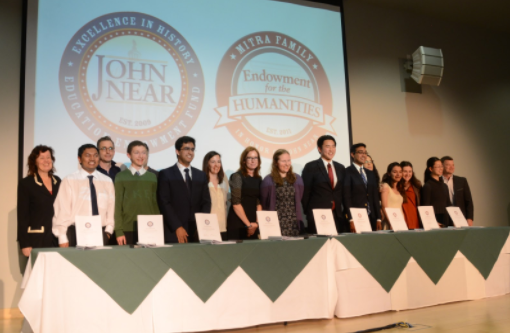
(109, 229)
(62, 239)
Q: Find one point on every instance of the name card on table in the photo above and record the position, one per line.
(360, 219)
(150, 230)
(457, 217)
(428, 218)
(89, 232)
(269, 224)
(397, 220)
(208, 227)
(324, 222)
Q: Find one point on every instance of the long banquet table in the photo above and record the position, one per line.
(197, 287)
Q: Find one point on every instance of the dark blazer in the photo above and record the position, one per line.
(35, 210)
(318, 193)
(177, 205)
(357, 195)
(462, 196)
(435, 193)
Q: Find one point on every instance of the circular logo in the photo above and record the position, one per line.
(323, 217)
(272, 91)
(88, 225)
(456, 212)
(150, 224)
(131, 76)
(395, 214)
(359, 215)
(268, 219)
(207, 222)
(426, 213)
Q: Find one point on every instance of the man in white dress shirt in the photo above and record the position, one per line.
(85, 192)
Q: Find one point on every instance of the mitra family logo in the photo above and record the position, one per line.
(131, 75)
(273, 92)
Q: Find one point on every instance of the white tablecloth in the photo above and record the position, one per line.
(58, 297)
(360, 294)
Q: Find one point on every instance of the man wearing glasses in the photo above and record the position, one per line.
(182, 191)
(106, 165)
(361, 188)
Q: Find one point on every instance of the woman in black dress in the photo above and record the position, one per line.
(435, 192)
(36, 195)
(245, 190)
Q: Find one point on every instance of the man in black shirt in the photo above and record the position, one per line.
(106, 165)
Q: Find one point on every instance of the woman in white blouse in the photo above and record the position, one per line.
(218, 187)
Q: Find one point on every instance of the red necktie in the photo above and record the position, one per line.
(331, 180)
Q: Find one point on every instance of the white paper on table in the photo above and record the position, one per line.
(360, 219)
(397, 220)
(428, 218)
(324, 222)
(269, 225)
(208, 227)
(150, 230)
(89, 231)
(457, 217)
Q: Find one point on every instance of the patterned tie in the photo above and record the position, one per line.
(188, 179)
(331, 180)
(93, 196)
(137, 173)
(366, 185)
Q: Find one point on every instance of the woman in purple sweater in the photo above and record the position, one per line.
(282, 191)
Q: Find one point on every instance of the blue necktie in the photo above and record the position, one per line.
(93, 196)
(137, 173)
(188, 179)
(366, 185)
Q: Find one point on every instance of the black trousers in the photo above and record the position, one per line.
(71, 236)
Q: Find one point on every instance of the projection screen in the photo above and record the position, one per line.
(230, 73)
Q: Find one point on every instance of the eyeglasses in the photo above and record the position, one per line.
(252, 158)
(188, 149)
(369, 162)
(361, 152)
(107, 148)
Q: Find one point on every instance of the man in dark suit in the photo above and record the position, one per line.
(182, 192)
(361, 189)
(323, 181)
(458, 189)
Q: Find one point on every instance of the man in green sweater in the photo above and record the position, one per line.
(135, 194)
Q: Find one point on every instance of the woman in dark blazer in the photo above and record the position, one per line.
(36, 195)
(435, 192)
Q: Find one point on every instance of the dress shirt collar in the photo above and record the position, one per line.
(134, 170)
(357, 167)
(181, 169)
(447, 180)
(326, 163)
(84, 174)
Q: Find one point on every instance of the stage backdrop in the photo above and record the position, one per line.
(230, 73)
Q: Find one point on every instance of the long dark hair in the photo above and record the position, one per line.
(413, 181)
(205, 166)
(32, 167)
(388, 180)
(275, 173)
(430, 164)
(376, 173)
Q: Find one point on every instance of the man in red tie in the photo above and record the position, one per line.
(361, 189)
(323, 179)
